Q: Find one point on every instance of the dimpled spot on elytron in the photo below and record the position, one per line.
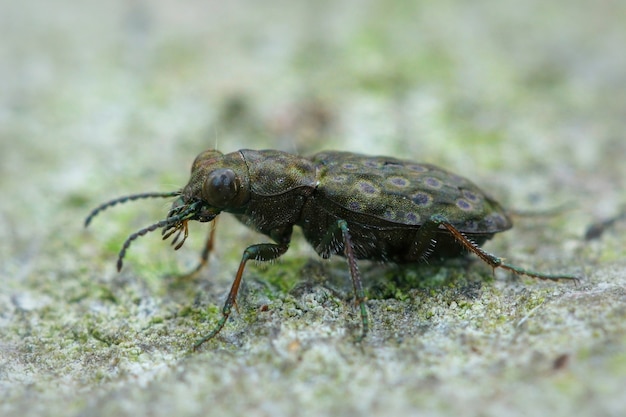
(338, 178)
(389, 214)
(464, 204)
(412, 218)
(422, 199)
(416, 168)
(494, 219)
(367, 188)
(354, 206)
(398, 182)
(433, 183)
(471, 196)
(372, 163)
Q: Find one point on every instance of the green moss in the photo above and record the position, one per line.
(400, 281)
(282, 276)
(104, 336)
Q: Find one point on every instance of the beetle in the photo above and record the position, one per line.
(356, 206)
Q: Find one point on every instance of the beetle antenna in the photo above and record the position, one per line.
(125, 199)
(182, 217)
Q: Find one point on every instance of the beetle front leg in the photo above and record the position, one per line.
(206, 251)
(259, 252)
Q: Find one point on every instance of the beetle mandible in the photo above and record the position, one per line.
(356, 206)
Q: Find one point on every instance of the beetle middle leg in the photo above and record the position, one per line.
(324, 249)
(259, 252)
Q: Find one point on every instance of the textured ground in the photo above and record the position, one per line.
(100, 99)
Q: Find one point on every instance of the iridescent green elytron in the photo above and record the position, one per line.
(356, 206)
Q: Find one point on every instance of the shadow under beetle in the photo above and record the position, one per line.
(356, 206)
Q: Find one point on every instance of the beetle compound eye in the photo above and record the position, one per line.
(220, 187)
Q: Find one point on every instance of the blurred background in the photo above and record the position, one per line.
(89, 87)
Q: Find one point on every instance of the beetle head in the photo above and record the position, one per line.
(218, 182)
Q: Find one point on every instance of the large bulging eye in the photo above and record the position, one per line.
(220, 187)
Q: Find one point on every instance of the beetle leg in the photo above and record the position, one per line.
(348, 250)
(492, 260)
(208, 247)
(424, 243)
(259, 252)
(206, 251)
(204, 255)
(327, 246)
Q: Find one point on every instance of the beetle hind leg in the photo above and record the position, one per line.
(492, 260)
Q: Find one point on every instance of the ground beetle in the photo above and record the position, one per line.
(360, 207)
